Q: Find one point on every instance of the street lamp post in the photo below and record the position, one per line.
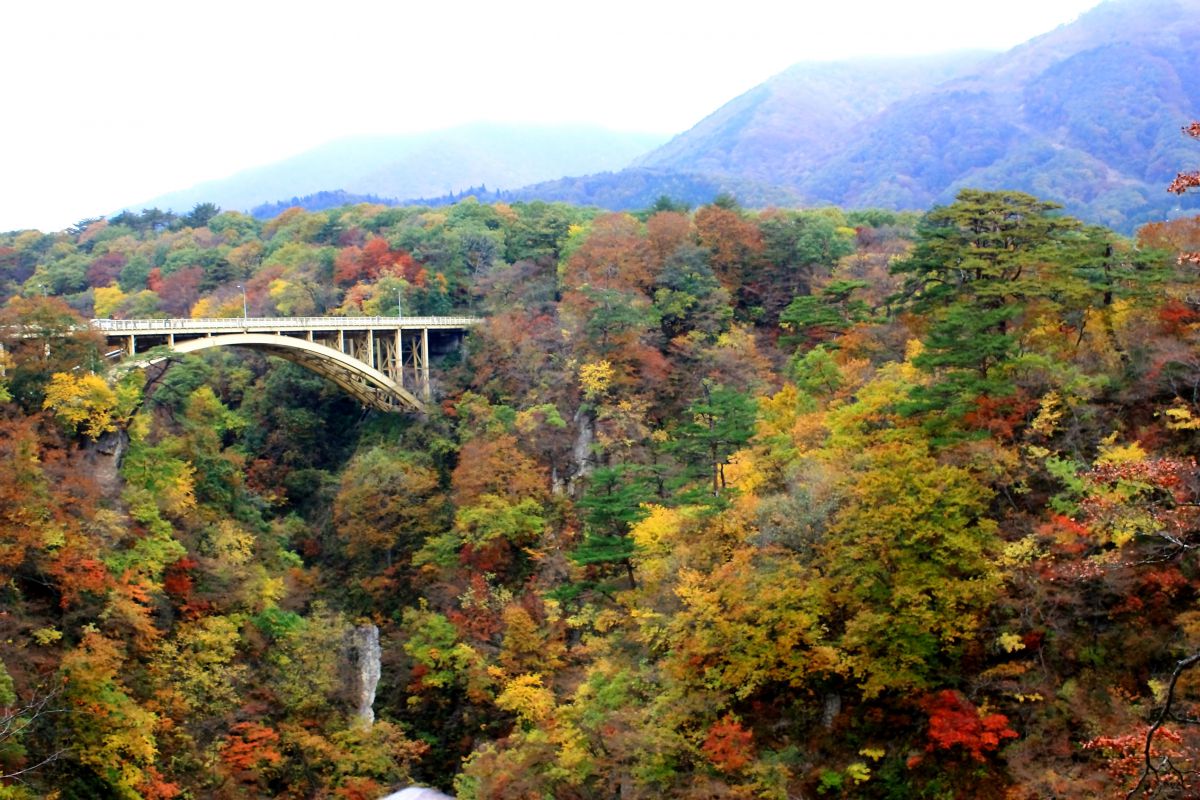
(245, 314)
(399, 309)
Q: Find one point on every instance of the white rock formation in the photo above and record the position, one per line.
(418, 793)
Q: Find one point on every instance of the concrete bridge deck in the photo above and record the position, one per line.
(383, 362)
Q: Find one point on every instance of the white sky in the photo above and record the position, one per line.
(108, 104)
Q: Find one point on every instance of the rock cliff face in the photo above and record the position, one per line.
(581, 452)
(103, 460)
(365, 661)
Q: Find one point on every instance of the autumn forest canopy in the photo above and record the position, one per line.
(714, 503)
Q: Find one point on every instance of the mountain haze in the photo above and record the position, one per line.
(1088, 115)
(751, 146)
(424, 164)
(796, 119)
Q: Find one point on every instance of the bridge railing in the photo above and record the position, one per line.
(276, 323)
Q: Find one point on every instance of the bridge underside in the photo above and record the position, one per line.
(383, 362)
(366, 384)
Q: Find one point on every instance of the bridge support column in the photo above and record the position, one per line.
(415, 350)
(426, 390)
(132, 345)
(399, 376)
(371, 347)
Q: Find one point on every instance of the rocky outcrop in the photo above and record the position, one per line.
(582, 457)
(365, 656)
(103, 459)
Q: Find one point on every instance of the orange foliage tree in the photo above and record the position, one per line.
(728, 745)
(955, 722)
(249, 751)
(734, 241)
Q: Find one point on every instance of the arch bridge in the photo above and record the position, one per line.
(383, 362)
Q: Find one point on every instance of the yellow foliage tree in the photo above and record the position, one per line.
(201, 667)
(595, 378)
(909, 565)
(526, 697)
(107, 299)
(292, 298)
(110, 733)
(83, 403)
(752, 622)
(203, 309)
(525, 644)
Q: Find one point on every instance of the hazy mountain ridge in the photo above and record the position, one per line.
(793, 120)
(425, 164)
(1088, 115)
(320, 201)
(639, 187)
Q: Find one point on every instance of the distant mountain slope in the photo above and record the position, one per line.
(634, 188)
(1088, 115)
(427, 164)
(793, 121)
(319, 201)
(639, 187)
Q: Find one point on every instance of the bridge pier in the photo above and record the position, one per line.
(398, 358)
(426, 391)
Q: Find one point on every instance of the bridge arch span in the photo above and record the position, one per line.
(365, 383)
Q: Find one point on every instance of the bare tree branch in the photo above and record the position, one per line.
(1149, 768)
(16, 720)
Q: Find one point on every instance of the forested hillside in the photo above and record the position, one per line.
(715, 503)
(794, 121)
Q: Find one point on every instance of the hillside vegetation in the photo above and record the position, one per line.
(716, 503)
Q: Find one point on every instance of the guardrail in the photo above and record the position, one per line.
(277, 323)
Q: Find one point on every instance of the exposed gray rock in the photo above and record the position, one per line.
(366, 662)
(582, 456)
(103, 460)
(832, 707)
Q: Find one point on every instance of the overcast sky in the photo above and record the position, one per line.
(108, 104)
